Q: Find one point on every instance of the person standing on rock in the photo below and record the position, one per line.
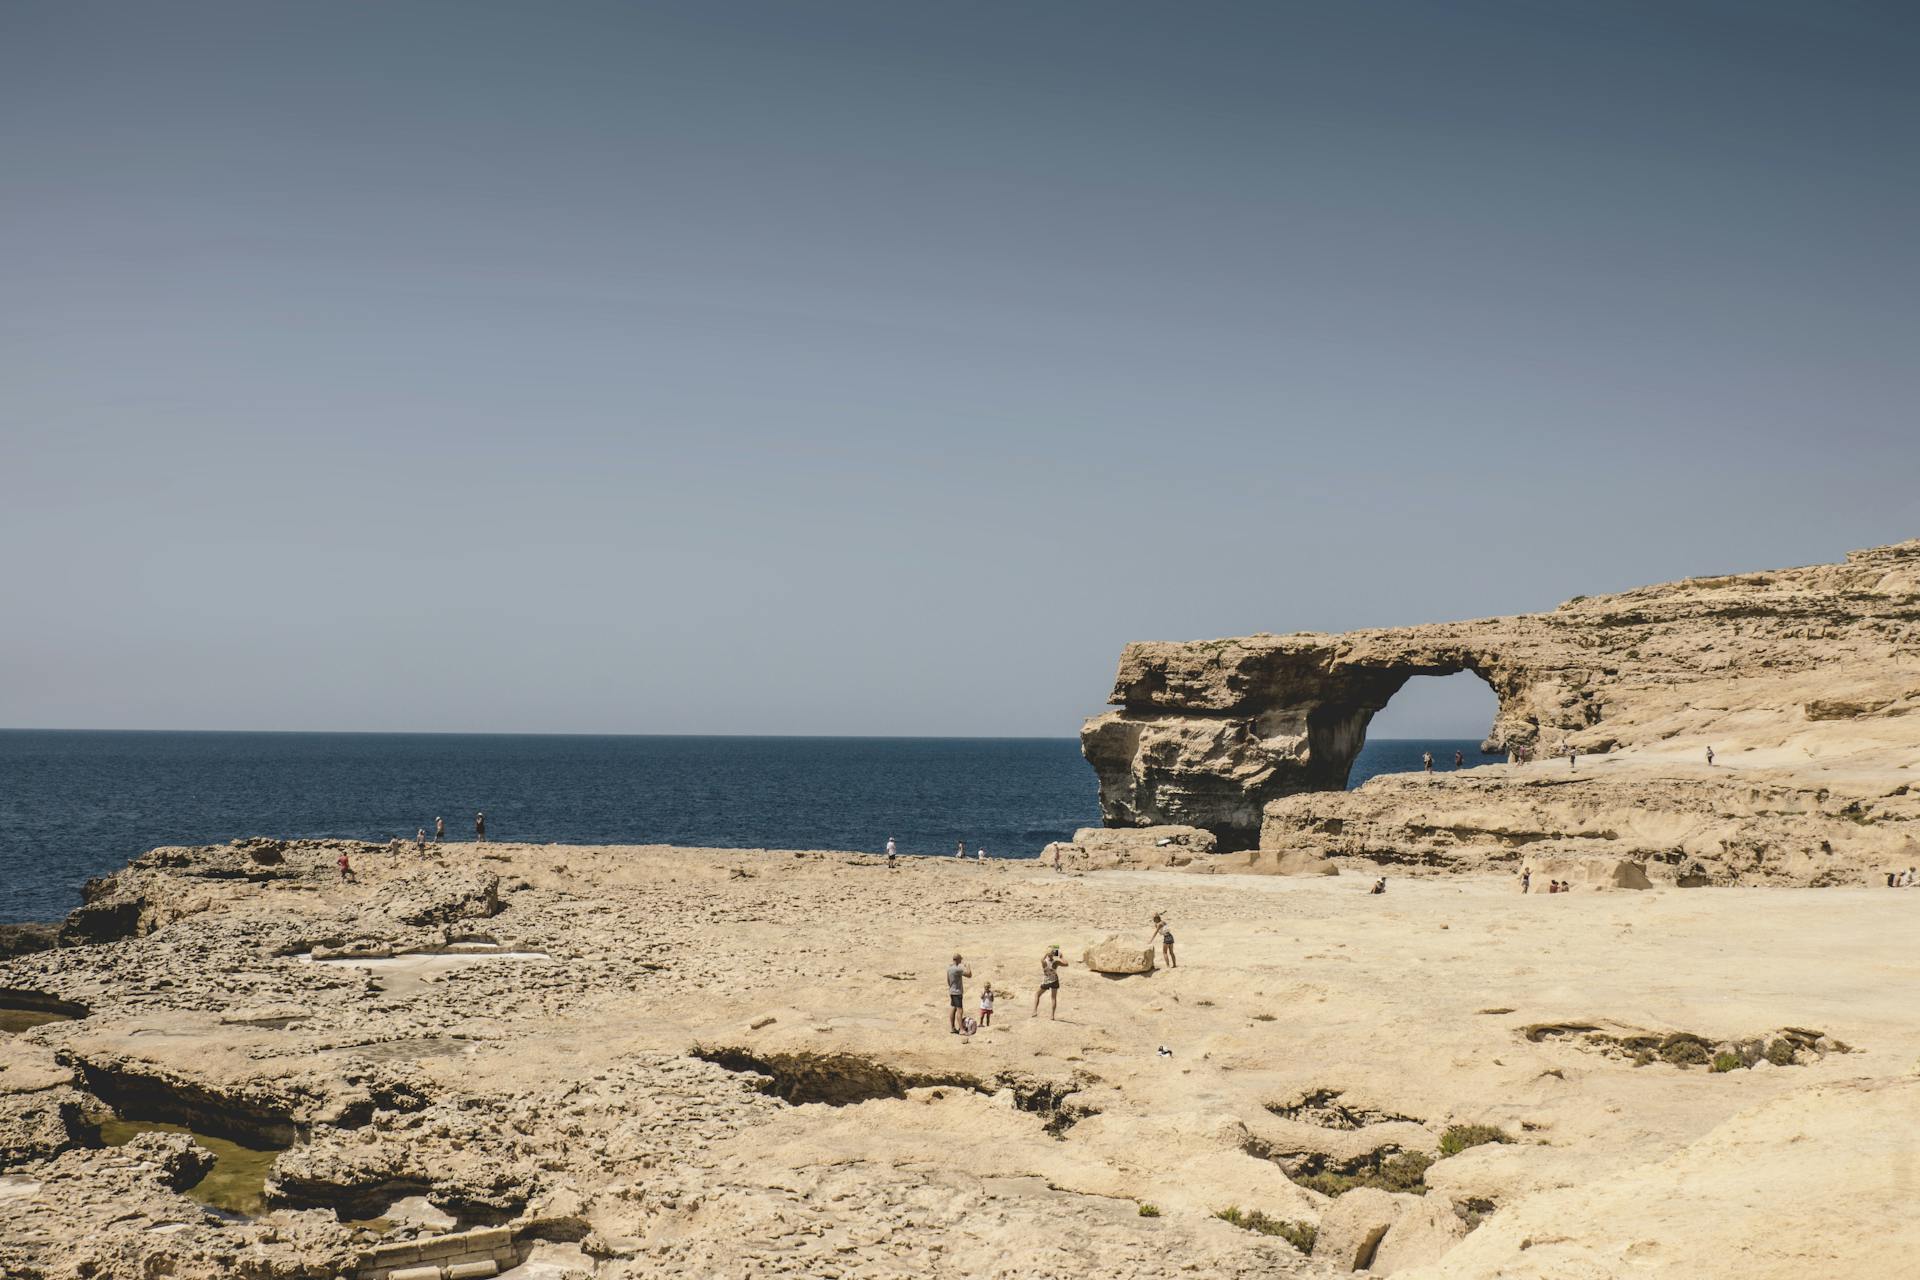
(1709, 757)
(1164, 932)
(957, 975)
(1573, 760)
(439, 830)
(1050, 966)
(480, 828)
(891, 851)
(346, 869)
(1526, 880)
(419, 839)
(1426, 761)
(959, 848)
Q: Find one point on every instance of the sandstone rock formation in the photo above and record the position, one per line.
(1803, 681)
(1117, 955)
(651, 1062)
(1267, 862)
(1110, 848)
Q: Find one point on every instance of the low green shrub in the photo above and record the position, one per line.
(1298, 1234)
(1683, 1050)
(1727, 1062)
(1149, 1210)
(1463, 1137)
(1405, 1172)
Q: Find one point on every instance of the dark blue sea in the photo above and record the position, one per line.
(75, 804)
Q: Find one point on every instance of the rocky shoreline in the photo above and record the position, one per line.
(625, 1062)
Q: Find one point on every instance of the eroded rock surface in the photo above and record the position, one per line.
(665, 1062)
(1803, 681)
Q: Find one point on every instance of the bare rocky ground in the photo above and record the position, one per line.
(672, 1062)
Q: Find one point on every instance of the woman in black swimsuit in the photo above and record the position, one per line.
(1164, 932)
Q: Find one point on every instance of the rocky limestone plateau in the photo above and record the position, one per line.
(1804, 682)
(546, 1061)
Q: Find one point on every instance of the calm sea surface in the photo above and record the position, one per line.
(77, 804)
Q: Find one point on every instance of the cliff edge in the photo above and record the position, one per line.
(1802, 681)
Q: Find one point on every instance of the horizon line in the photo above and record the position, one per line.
(578, 733)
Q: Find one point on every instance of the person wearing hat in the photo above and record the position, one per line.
(1050, 966)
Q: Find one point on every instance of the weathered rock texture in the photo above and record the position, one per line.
(1128, 848)
(1802, 680)
(732, 1063)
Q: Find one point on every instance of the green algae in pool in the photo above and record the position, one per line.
(237, 1182)
(14, 1021)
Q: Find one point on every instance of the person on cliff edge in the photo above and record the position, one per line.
(439, 830)
(480, 828)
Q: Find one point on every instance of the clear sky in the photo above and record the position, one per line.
(883, 367)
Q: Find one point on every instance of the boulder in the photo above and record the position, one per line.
(1380, 1232)
(1424, 1230)
(25, 939)
(182, 1161)
(1352, 1229)
(1118, 955)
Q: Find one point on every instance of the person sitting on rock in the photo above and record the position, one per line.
(1050, 966)
(1380, 885)
(1164, 933)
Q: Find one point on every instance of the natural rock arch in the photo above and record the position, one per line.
(1208, 733)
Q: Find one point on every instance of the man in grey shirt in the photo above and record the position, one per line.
(957, 975)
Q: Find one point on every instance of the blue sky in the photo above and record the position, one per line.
(881, 368)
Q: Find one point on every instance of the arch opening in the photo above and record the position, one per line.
(1450, 716)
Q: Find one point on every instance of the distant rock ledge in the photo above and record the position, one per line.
(1801, 680)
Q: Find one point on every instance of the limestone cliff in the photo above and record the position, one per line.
(1800, 679)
